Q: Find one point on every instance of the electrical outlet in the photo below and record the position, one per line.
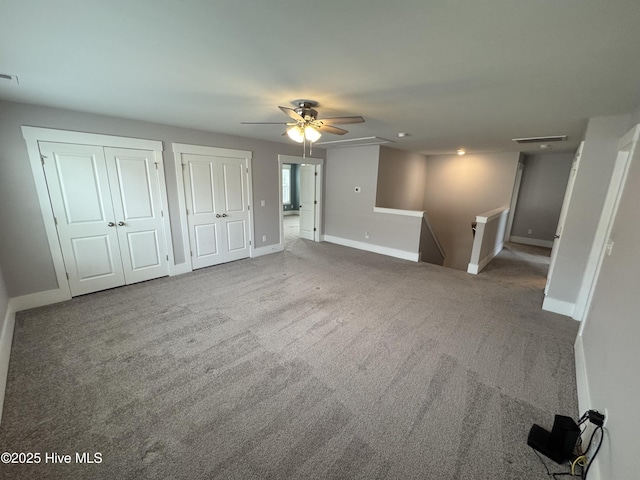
(366, 234)
(529, 232)
(264, 238)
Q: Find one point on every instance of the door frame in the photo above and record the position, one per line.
(319, 163)
(627, 147)
(178, 150)
(33, 135)
(514, 196)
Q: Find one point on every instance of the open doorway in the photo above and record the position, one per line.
(300, 182)
(290, 173)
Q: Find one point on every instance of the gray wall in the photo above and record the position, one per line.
(457, 189)
(349, 215)
(544, 181)
(24, 252)
(589, 192)
(610, 337)
(401, 179)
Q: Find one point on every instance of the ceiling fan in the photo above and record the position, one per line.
(306, 126)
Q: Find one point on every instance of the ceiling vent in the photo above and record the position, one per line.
(556, 138)
(354, 142)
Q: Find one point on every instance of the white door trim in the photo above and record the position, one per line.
(319, 162)
(626, 150)
(178, 150)
(33, 135)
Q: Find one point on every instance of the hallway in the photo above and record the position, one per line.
(521, 264)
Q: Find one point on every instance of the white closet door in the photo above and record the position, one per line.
(204, 215)
(216, 192)
(78, 186)
(307, 201)
(136, 201)
(234, 199)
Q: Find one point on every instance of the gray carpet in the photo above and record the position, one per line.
(322, 362)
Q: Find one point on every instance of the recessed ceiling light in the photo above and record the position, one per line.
(403, 134)
(461, 151)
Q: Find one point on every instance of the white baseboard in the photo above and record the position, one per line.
(180, 268)
(558, 306)
(531, 241)
(475, 269)
(584, 397)
(287, 213)
(391, 252)
(17, 304)
(260, 251)
(39, 299)
(6, 338)
(582, 383)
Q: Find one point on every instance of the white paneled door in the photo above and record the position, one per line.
(307, 201)
(557, 238)
(107, 209)
(216, 193)
(135, 192)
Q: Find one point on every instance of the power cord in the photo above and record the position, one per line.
(582, 461)
(598, 428)
(554, 475)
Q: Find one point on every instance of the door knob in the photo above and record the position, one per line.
(121, 224)
(111, 224)
(218, 215)
(225, 215)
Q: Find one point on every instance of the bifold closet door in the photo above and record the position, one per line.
(106, 202)
(78, 185)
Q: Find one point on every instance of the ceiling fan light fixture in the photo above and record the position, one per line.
(296, 134)
(311, 133)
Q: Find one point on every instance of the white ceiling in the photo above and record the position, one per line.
(453, 74)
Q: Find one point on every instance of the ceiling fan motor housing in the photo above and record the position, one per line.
(306, 111)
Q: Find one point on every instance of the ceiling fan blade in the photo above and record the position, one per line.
(332, 129)
(292, 113)
(264, 123)
(342, 120)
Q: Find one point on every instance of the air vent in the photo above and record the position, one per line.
(354, 142)
(557, 138)
(6, 78)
